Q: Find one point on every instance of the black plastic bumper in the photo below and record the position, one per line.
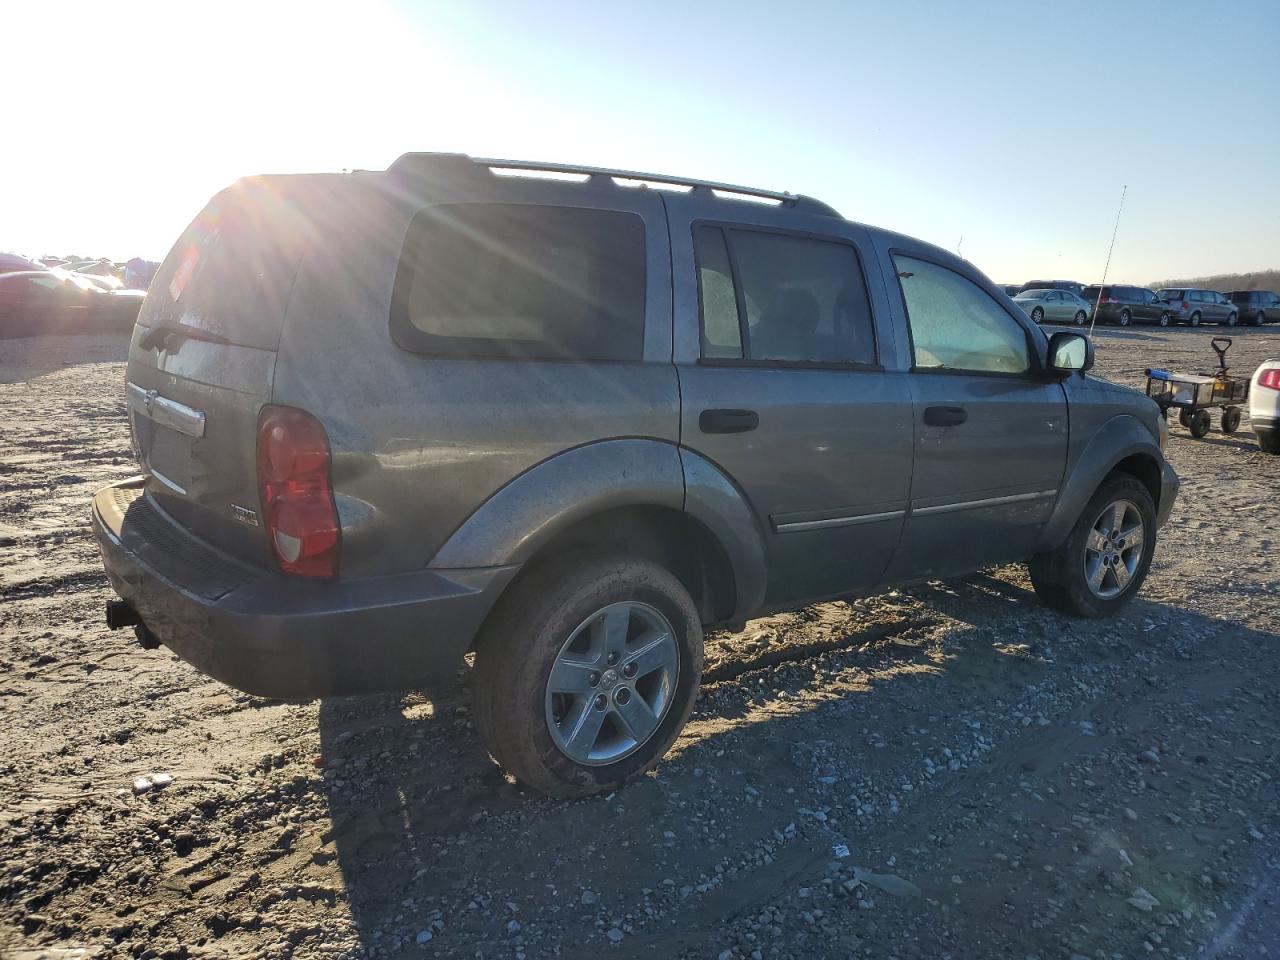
(278, 636)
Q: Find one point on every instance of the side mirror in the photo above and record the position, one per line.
(1069, 352)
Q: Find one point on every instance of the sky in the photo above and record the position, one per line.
(1004, 130)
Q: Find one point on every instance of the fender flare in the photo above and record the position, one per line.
(1119, 438)
(514, 523)
(549, 498)
(715, 501)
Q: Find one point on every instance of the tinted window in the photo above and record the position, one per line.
(1239, 296)
(524, 281)
(1091, 293)
(804, 300)
(721, 334)
(955, 325)
(233, 269)
(1171, 294)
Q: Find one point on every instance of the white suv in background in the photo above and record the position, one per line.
(1264, 405)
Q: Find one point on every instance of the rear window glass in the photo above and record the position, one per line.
(522, 281)
(1091, 293)
(1239, 296)
(1171, 295)
(231, 272)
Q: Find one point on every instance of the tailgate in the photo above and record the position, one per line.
(202, 357)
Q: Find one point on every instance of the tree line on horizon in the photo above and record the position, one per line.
(1222, 282)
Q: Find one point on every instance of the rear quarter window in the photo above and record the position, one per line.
(522, 281)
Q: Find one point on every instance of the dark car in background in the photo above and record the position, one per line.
(1071, 285)
(1194, 305)
(12, 263)
(35, 303)
(1255, 306)
(1122, 305)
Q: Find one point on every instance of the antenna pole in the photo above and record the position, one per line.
(1114, 230)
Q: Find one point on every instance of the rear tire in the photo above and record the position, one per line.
(1231, 320)
(1269, 442)
(1164, 319)
(570, 612)
(1230, 419)
(1262, 318)
(1037, 315)
(1061, 577)
(1125, 317)
(1195, 320)
(1080, 318)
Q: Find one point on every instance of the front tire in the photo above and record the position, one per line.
(586, 672)
(1080, 318)
(1101, 565)
(1164, 319)
(1037, 315)
(1231, 320)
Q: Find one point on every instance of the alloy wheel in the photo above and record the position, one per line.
(612, 683)
(1113, 549)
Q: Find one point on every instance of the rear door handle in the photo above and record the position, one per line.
(728, 421)
(944, 416)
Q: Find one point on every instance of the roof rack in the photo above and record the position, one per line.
(797, 201)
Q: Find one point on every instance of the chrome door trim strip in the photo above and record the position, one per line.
(987, 502)
(169, 413)
(796, 526)
(167, 482)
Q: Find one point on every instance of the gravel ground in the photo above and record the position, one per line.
(947, 771)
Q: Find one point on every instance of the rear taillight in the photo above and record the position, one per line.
(1270, 378)
(297, 492)
(1185, 305)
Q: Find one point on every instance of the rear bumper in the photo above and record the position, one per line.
(1263, 424)
(1168, 492)
(279, 636)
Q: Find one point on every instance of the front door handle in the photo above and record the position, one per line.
(728, 421)
(944, 416)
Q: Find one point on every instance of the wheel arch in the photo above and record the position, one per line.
(630, 495)
(1122, 445)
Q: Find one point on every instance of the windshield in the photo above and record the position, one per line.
(1031, 295)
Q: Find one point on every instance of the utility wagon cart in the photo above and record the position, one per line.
(1194, 394)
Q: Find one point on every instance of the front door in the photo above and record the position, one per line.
(781, 346)
(990, 430)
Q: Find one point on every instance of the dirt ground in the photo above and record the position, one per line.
(1007, 782)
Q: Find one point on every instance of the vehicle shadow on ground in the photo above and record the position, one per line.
(427, 830)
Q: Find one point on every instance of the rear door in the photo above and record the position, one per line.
(990, 430)
(785, 354)
(201, 358)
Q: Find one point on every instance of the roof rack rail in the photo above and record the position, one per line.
(797, 201)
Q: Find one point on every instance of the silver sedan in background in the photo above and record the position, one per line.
(1053, 306)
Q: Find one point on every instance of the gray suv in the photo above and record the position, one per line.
(1194, 305)
(389, 418)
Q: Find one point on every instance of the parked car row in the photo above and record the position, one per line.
(1065, 301)
(41, 302)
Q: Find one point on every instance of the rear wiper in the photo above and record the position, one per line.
(158, 338)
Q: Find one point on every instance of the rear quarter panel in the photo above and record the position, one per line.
(420, 442)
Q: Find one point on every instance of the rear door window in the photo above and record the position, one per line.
(515, 280)
(795, 298)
